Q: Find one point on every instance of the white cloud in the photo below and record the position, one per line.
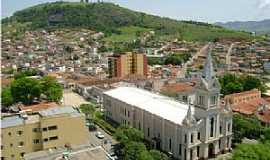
(263, 4)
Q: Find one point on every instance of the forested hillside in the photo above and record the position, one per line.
(108, 18)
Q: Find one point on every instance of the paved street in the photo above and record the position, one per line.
(71, 98)
(94, 141)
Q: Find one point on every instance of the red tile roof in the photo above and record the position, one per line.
(249, 107)
(38, 107)
(178, 87)
(264, 116)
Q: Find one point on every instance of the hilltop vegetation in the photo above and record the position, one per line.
(111, 19)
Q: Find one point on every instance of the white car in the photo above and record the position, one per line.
(99, 135)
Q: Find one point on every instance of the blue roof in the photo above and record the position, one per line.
(11, 121)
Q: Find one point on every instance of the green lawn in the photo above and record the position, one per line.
(127, 34)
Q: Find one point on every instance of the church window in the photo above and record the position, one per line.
(213, 100)
(212, 127)
(201, 100)
(198, 151)
(199, 136)
(170, 144)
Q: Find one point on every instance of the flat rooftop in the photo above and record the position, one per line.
(156, 104)
(59, 110)
(11, 121)
(81, 152)
(17, 119)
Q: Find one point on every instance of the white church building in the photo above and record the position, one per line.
(197, 130)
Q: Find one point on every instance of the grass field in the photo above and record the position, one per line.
(128, 34)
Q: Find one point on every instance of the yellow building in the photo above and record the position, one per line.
(46, 129)
(123, 65)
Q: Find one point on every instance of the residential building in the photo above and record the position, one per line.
(198, 130)
(266, 67)
(243, 97)
(250, 103)
(180, 90)
(123, 65)
(49, 128)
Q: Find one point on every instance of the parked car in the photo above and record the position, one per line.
(99, 135)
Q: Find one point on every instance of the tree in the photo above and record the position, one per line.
(145, 155)
(135, 151)
(177, 59)
(251, 82)
(157, 155)
(6, 97)
(125, 134)
(29, 72)
(231, 83)
(51, 88)
(252, 152)
(25, 90)
(248, 127)
(233, 88)
(87, 109)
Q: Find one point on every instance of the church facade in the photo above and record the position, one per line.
(188, 131)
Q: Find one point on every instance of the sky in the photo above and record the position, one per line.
(198, 10)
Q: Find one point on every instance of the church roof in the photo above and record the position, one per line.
(156, 104)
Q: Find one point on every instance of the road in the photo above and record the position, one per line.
(228, 56)
(94, 141)
(71, 98)
(202, 51)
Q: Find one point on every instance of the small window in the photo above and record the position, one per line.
(11, 144)
(201, 100)
(45, 140)
(2, 147)
(36, 141)
(185, 138)
(3, 158)
(170, 144)
(22, 154)
(213, 100)
(36, 130)
(19, 133)
(185, 98)
(52, 127)
(53, 138)
(148, 132)
(199, 136)
(44, 129)
(9, 133)
(180, 149)
(229, 127)
(191, 139)
(21, 144)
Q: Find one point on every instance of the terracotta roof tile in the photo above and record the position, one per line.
(38, 107)
(178, 87)
(264, 116)
(250, 107)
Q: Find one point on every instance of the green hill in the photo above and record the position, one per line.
(111, 18)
